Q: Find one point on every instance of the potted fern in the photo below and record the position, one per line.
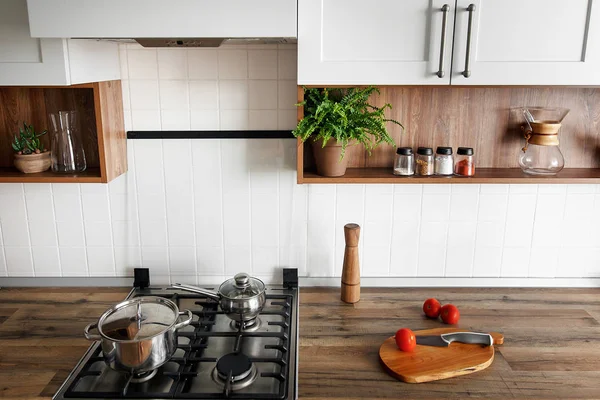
(30, 154)
(336, 118)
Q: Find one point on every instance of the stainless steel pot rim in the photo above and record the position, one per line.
(262, 285)
(135, 300)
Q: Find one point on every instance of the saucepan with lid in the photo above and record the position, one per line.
(140, 334)
(242, 297)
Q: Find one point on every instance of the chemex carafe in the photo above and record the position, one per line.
(66, 146)
(541, 155)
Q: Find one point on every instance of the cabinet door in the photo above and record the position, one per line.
(386, 42)
(527, 42)
(24, 60)
(162, 18)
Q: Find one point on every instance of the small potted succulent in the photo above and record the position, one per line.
(336, 118)
(30, 154)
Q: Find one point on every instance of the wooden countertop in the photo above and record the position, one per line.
(551, 350)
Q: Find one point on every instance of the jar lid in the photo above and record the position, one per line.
(444, 150)
(465, 151)
(404, 151)
(242, 286)
(138, 319)
(425, 151)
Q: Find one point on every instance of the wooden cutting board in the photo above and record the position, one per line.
(431, 363)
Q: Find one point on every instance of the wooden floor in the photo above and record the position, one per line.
(551, 350)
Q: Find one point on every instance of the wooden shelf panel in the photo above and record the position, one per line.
(482, 175)
(11, 175)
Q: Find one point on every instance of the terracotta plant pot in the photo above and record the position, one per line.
(32, 163)
(328, 158)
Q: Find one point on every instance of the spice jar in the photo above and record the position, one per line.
(444, 164)
(424, 161)
(404, 161)
(465, 163)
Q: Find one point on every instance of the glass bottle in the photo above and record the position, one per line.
(424, 161)
(66, 148)
(444, 163)
(541, 155)
(464, 164)
(404, 161)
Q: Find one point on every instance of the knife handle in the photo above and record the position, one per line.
(469, 338)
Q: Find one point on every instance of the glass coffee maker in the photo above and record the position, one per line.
(541, 155)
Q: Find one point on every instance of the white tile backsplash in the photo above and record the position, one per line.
(210, 208)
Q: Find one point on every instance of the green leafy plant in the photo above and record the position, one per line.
(344, 115)
(28, 141)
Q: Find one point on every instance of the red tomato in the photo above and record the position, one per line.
(405, 339)
(450, 314)
(431, 308)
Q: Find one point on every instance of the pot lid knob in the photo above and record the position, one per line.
(242, 280)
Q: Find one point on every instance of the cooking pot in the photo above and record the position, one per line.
(241, 298)
(140, 334)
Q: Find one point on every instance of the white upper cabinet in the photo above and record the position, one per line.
(162, 18)
(386, 42)
(487, 42)
(34, 62)
(527, 42)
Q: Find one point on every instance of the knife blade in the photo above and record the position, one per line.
(445, 339)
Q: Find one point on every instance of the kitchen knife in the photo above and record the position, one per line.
(445, 339)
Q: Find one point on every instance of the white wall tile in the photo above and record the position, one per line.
(543, 262)
(181, 232)
(182, 260)
(237, 258)
(433, 234)
(578, 205)
(376, 261)
(321, 240)
(126, 233)
(441, 188)
(73, 261)
(490, 234)
(487, 262)
(101, 261)
(407, 207)
(204, 119)
(459, 260)
(70, 233)
(145, 120)
(262, 64)
(233, 64)
(463, 207)
(18, 261)
(172, 63)
(350, 203)
(144, 95)
(435, 207)
(63, 189)
(210, 261)
(550, 206)
(143, 63)
(95, 207)
(14, 232)
(579, 233)
(552, 189)
(149, 166)
(202, 64)
(287, 68)
(178, 166)
(156, 259)
(123, 61)
(67, 207)
(523, 189)
(404, 261)
(515, 262)
(432, 261)
(123, 207)
(265, 219)
(518, 233)
(286, 119)
(126, 259)
(379, 201)
(11, 189)
(460, 188)
(43, 233)
(287, 95)
(45, 261)
(492, 207)
(43, 188)
(175, 120)
(265, 259)
(262, 95)
(461, 234)
(573, 262)
(39, 207)
(204, 95)
(547, 233)
(262, 119)
(376, 233)
(173, 95)
(153, 233)
(98, 233)
(125, 93)
(494, 189)
(233, 120)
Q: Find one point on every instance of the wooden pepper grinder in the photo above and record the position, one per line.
(351, 267)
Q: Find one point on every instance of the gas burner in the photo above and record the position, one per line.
(237, 365)
(143, 377)
(249, 326)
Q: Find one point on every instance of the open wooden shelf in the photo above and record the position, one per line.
(482, 175)
(485, 118)
(100, 112)
(11, 175)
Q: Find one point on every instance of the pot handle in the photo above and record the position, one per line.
(194, 289)
(90, 336)
(186, 322)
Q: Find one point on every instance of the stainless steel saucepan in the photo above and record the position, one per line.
(242, 297)
(140, 334)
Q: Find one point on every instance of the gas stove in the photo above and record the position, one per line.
(215, 357)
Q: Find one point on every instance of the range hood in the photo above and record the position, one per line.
(209, 42)
(166, 23)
